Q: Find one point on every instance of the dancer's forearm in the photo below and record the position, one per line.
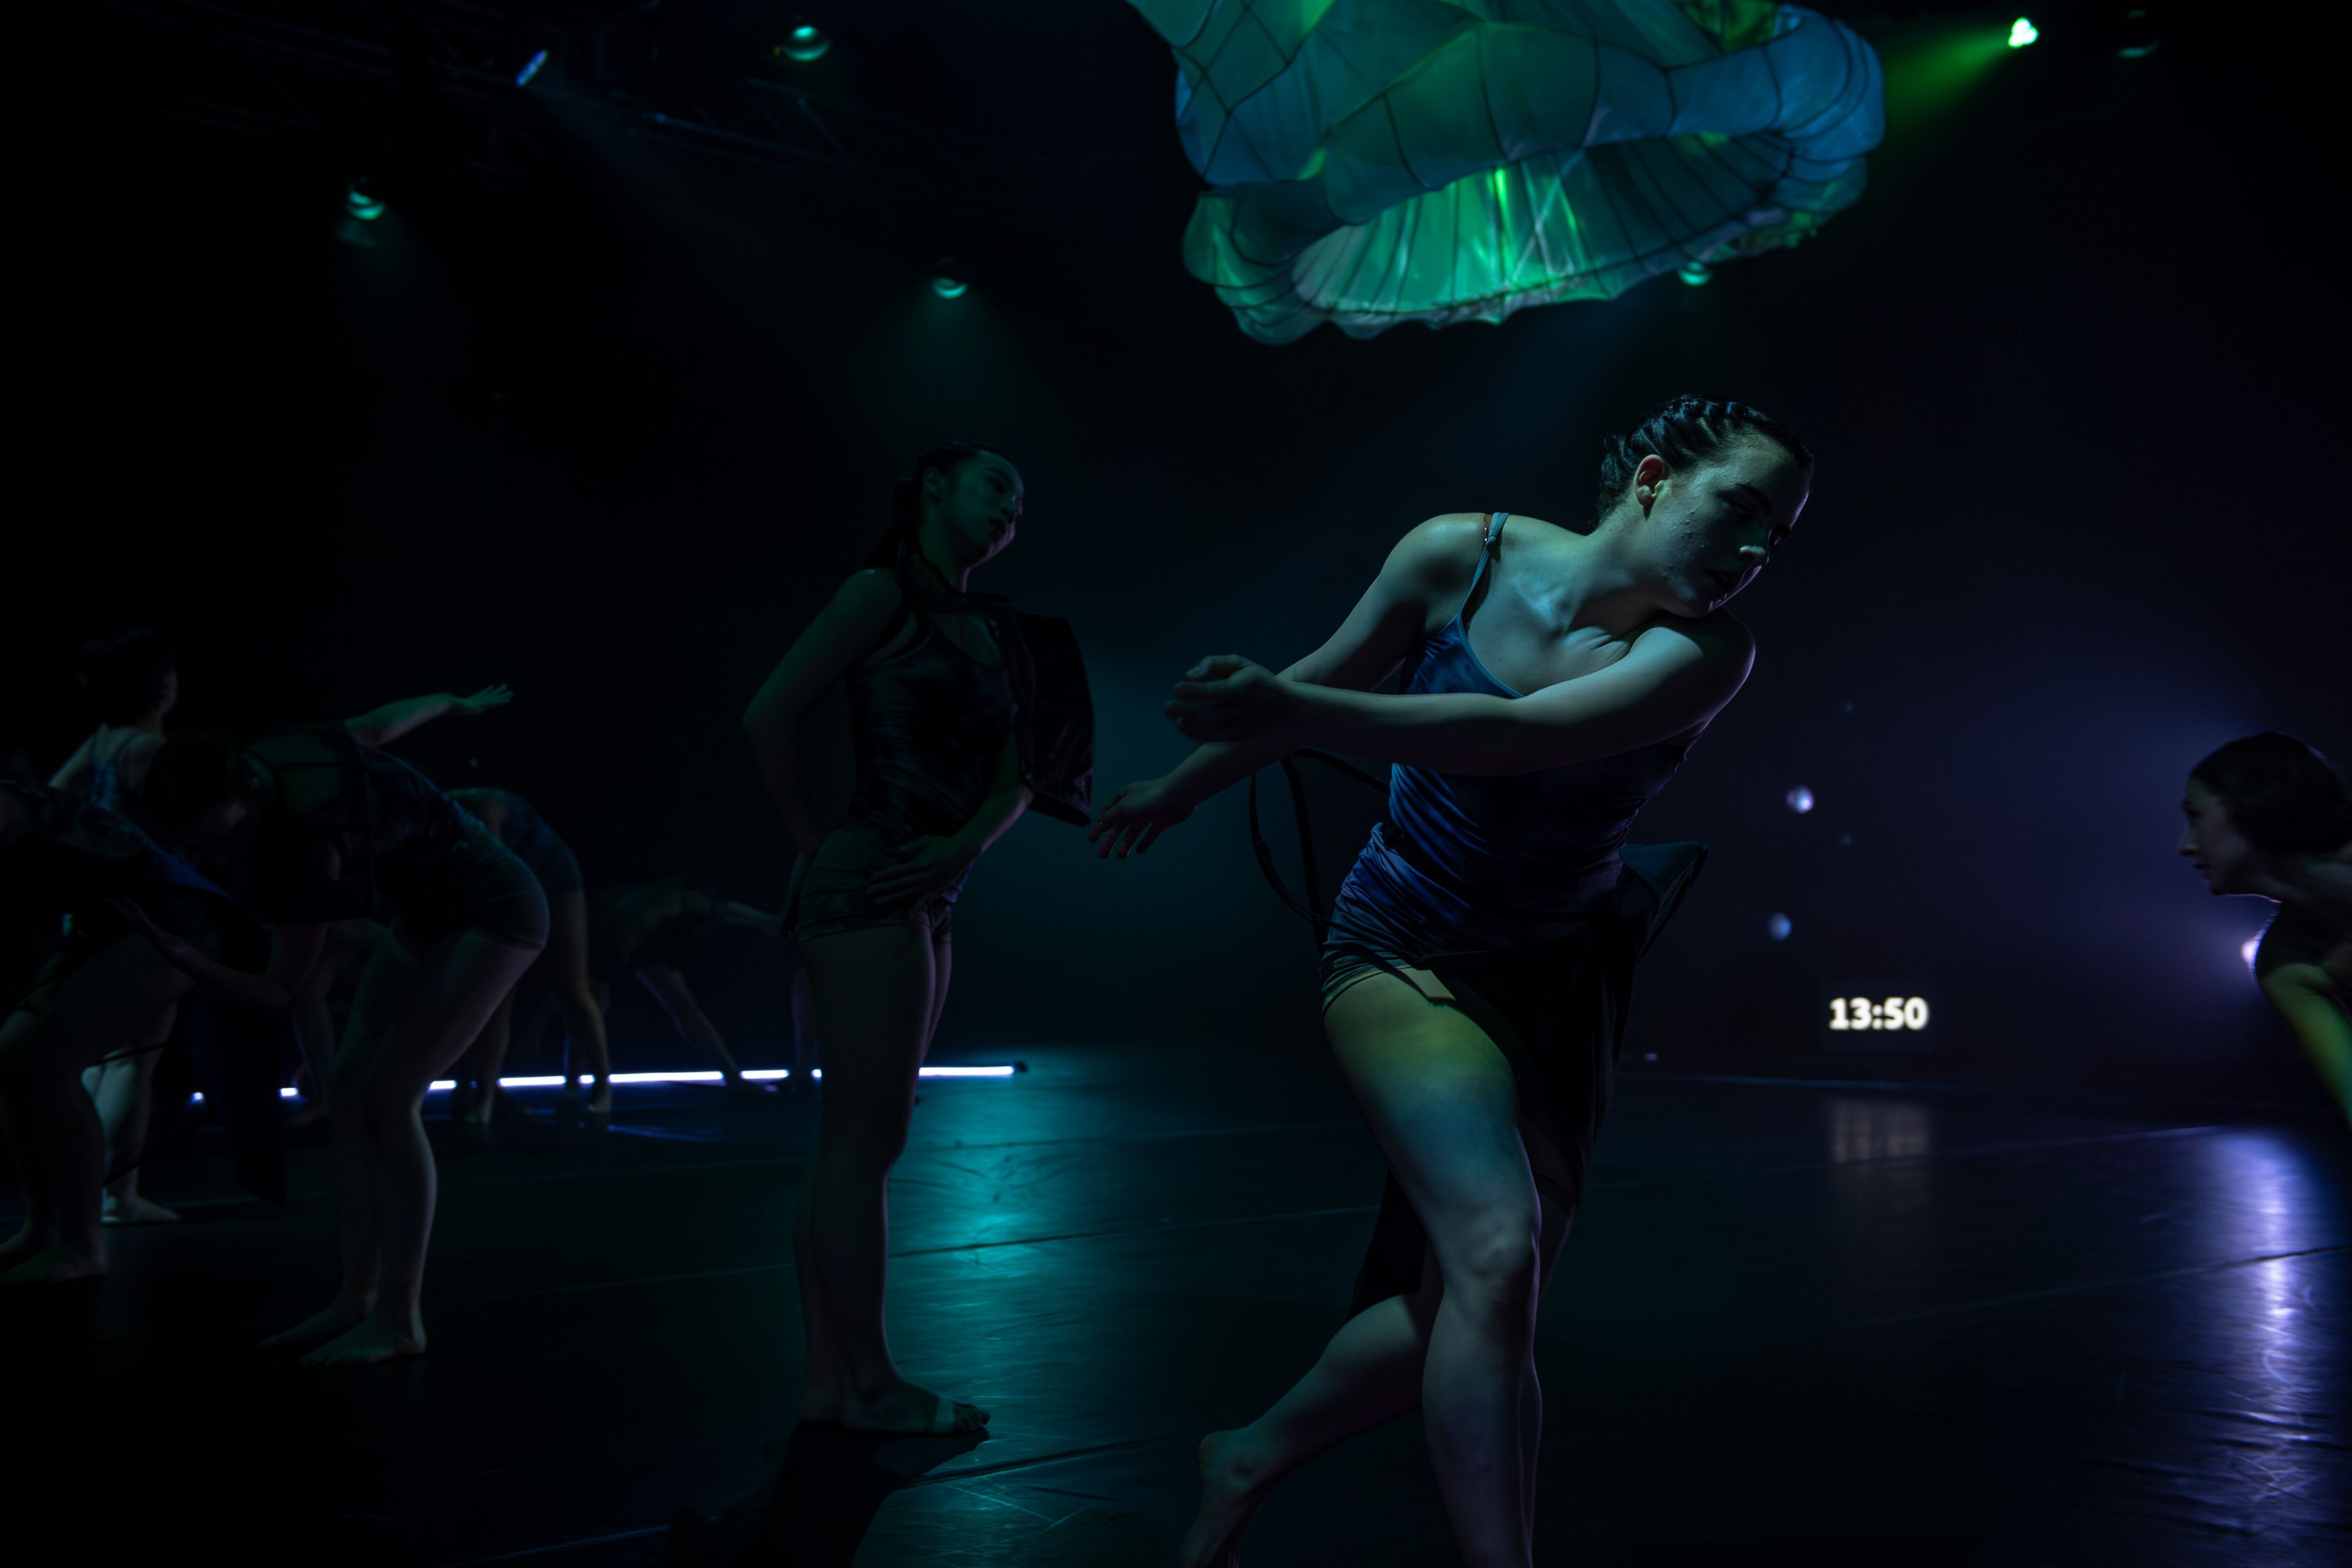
(997, 813)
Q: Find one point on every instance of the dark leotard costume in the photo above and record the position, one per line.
(930, 720)
(524, 831)
(1520, 893)
(660, 922)
(437, 866)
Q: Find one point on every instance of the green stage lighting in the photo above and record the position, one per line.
(804, 44)
(2021, 33)
(947, 288)
(361, 200)
(1696, 273)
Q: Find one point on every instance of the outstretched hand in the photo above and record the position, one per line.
(1136, 817)
(930, 865)
(488, 698)
(175, 950)
(1227, 698)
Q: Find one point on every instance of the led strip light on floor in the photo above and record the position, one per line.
(751, 1075)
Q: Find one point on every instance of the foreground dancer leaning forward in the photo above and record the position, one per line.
(1555, 681)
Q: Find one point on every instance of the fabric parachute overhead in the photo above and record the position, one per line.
(1441, 161)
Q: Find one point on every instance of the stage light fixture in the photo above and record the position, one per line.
(804, 44)
(1778, 926)
(751, 1075)
(2136, 36)
(946, 278)
(2022, 32)
(1696, 273)
(531, 68)
(2246, 950)
(1801, 799)
(361, 200)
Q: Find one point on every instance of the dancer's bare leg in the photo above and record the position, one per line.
(446, 996)
(489, 1056)
(877, 998)
(113, 1001)
(123, 1088)
(565, 965)
(667, 983)
(1440, 1099)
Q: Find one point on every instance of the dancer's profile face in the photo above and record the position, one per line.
(978, 507)
(2229, 861)
(214, 825)
(1707, 530)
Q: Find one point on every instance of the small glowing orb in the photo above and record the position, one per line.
(2251, 946)
(1801, 799)
(361, 200)
(947, 288)
(2021, 33)
(1778, 926)
(804, 44)
(530, 68)
(1694, 273)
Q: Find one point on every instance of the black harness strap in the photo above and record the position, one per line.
(1311, 909)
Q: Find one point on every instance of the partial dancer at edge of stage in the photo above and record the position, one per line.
(2268, 817)
(1520, 764)
(965, 714)
(311, 824)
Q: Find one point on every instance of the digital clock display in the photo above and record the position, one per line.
(1878, 1013)
(1866, 1015)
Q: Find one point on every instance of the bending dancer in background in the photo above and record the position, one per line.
(964, 715)
(563, 964)
(321, 822)
(2268, 817)
(650, 930)
(1556, 681)
(105, 993)
(133, 681)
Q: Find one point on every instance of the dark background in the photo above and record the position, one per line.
(607, 415)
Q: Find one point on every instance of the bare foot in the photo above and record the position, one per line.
(342, 1314)
(56, 1264)
(373, 1339)
(906, 1407)
(135, 1210)
(1231, 1490)
(600, 1101)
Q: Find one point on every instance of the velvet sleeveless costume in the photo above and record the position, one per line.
(930, 722)
(437, 866)
(1520, 894)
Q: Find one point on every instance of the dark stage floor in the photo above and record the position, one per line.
(1796, 1324)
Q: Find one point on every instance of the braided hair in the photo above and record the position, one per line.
(2281, 794)
(1686, 431)
(906, 500)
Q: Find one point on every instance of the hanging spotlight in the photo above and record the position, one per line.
(530, 68)
(1801, 799)
(1779, 927)
(2021, 33)
(947, 281)
(361, 200)
(1696, 273)
(804, 44)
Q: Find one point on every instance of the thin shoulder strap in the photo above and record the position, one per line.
(1486, 553)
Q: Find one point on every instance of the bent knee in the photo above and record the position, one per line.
(1492, 1266)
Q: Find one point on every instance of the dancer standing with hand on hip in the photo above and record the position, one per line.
(965, 715)
(1481, 949)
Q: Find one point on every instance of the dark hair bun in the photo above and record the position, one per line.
(906, 498)
(188, 778)
(2281, 794)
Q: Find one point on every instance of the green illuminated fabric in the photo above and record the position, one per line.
(1440, 160)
